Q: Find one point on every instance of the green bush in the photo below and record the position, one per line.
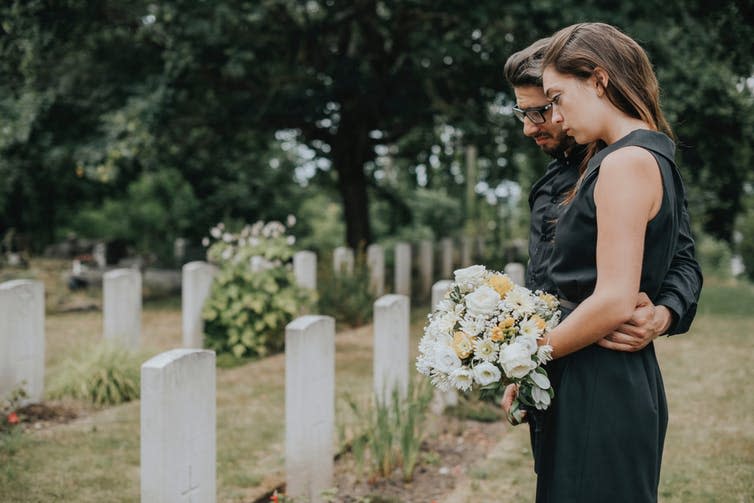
(346, 296)
(247, 310)
(109, 375)
(714, 256)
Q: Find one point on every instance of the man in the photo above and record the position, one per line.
(676, 304)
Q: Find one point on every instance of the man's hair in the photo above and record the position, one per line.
(524, 68)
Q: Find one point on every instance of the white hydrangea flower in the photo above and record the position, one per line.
(486, 373)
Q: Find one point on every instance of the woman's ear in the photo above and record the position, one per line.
(600, 79)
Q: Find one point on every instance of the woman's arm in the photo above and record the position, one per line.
(627, 194)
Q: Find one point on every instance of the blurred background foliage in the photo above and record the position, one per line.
(148, 120)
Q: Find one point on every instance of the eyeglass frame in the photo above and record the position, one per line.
(522, 113)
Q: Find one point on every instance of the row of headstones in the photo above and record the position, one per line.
(22, 340)
(178, 418)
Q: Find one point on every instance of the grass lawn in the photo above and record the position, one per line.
(709, 453)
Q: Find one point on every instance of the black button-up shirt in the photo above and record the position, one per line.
(683, 283)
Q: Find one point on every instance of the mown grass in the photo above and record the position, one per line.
(709, 453)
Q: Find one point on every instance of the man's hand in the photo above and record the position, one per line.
(510, 393)
(647, 322)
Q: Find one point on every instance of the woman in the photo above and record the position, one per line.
(602, 437)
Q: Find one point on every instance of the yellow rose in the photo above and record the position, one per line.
(498, 333)
(501, 284)
(541, 324)
(462, 344)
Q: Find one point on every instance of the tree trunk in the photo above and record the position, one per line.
(350, 152)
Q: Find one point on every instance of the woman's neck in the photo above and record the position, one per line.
(620, 128)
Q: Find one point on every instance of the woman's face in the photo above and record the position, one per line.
(576, 104)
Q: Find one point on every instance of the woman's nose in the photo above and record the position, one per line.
(557, 117)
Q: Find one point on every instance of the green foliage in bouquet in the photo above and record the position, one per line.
(109, 375)
(254, 295)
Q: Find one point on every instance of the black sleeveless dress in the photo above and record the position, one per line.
(601, 440)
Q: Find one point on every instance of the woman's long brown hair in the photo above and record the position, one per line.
(632, 86)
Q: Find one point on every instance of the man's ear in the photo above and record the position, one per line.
(600, 79)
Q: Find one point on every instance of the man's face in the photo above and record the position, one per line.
(549, 136)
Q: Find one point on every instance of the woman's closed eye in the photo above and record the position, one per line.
(555, 99)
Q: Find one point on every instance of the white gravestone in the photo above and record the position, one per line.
(309, 406)
(305, 269)
(446, 245)
(376, 263)
(342, 260)
(403, 269)
(516, 272)
(100, 255)
(467, 246)
(195, 288)
(391, 346)
(121, 300)
(22, 338)
(426, 266)
(178, 438)
(439, 290)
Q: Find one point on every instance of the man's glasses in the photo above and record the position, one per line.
(536, 115)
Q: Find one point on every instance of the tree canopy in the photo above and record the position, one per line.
(240, 108)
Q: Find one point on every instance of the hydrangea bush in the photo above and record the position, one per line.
(254, 295)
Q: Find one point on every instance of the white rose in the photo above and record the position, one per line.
(529, 343)
(486, 373)
(473, 275)
(482, 301)
(516, 360)
(541, 398)
(446, 359)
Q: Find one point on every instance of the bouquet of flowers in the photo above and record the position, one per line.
(487, 333)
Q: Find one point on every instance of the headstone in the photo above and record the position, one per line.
(467, 245)
(515, 271)
(446, 246)
(403, 269)
(426, 267)
(195, 288)
(22, 338)
(179, 249)
(305, 269)
(439, 290)
(178, 438)
(309, 406)
(100, 255)
(342, 260)
(376, 263)
(121, 311)
(391, 346)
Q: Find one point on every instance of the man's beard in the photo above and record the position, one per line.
(564, 142)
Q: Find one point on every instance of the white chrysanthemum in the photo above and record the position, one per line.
(444, 323)
(520, 299)
(553, 322)
(424, 364)
(529, 328)
(445, 306)
(462, 378)
(473, 325)
(541, 398)
(486, 373)
(544, 353)
(445, 357)
(540, 380)
(485, 349)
